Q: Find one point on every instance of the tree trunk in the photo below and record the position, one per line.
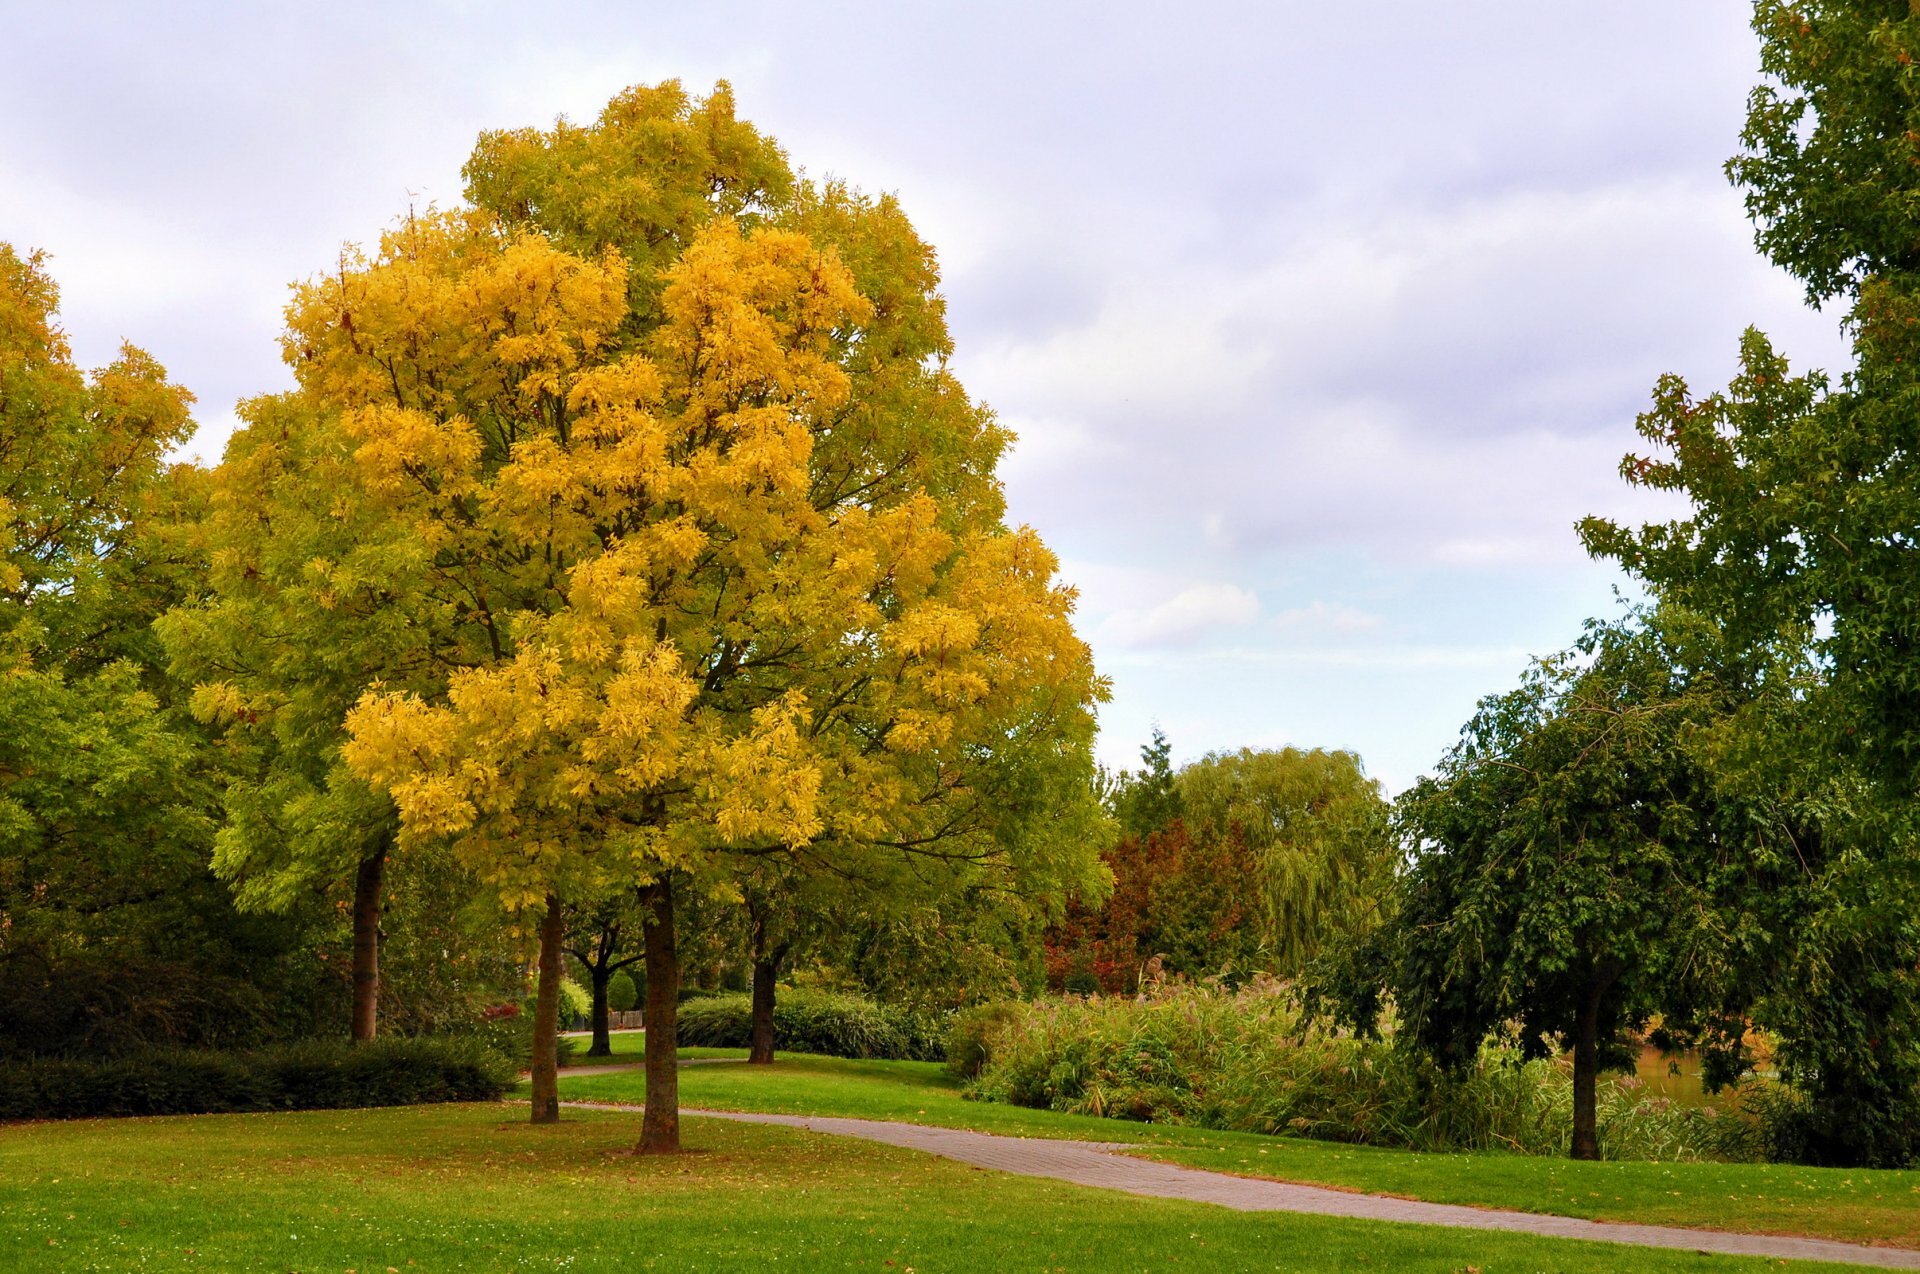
(1586, 1070)
(660, 1126)
(765, 970)
(602, 1039)
(366, 944)
(546, 1018)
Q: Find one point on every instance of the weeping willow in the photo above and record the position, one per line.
(1316, 834)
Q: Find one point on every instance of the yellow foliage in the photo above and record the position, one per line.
(718, 546)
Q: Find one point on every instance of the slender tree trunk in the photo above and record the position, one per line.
(366, 944)
(765, 970)
(660, 1126)
(1586, 1071)
(546, 1018)
(602, 1039)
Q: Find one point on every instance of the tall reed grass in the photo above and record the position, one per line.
(1205, 1057)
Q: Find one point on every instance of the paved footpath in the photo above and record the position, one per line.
(1095, 1163)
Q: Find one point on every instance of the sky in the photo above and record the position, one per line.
(1320, 325)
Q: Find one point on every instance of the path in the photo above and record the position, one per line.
(1094, 1163)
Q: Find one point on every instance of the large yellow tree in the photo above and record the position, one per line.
(722, 533)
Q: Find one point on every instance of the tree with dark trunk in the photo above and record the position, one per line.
(596, 939)
(793, 616)
(1801, 492)
(366, 944)
(660, 1125)
(1562, 861)
(768, 953)
(546, 1016)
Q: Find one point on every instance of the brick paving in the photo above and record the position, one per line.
(1095, 1163)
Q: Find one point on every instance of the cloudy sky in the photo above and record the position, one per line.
(1320, 324)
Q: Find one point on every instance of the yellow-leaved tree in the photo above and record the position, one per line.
(726, 536)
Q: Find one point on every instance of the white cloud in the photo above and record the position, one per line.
(1323, 618)
(1181, 620)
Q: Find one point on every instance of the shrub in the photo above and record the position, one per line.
(314, 1075)
(622, 994)
(816, 1022)
(1243, 1061)
(971, 1032)
(508, 1031)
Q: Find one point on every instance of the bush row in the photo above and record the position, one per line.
(1241, 1061)
(315, 1075)
(817, 1022)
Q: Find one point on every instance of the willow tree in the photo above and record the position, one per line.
(720, 534)
(1315, 829)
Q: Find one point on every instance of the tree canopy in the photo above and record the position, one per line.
(1800, 550)
(691, 541)
(1562, 864)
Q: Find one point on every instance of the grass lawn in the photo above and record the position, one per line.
(474, 1188)
(1862, 1206)
(630, 1047)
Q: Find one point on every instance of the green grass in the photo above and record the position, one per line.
(1856, 1205)
(475, 1188)
(630, 1047)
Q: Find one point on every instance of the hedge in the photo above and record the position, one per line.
(315, 1075)
(816, 1022)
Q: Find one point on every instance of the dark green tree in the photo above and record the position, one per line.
(1803, 548)
(1145, 800)
(1561, 858)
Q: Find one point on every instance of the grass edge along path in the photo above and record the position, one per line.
(1864, 1206)
(1095, 1164)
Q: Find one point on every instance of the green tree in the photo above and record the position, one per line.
(309, 603)
(604, 938)
(1560, 859)
(1800, 547)
(111, 929)
(1145, 800)
(1314, 829)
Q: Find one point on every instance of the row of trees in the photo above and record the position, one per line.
(1706, 816)
(627, 545)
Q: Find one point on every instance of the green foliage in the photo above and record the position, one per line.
(822, 1022)
(314, 1075)
(1565, 859)
(1828, 149)
(510, 1035)
(622, 993)
(1243, 1061)
(1314, 826)
(970, 1033)
(1798, 553)
(1145, 800)
(112, 931)
(1251, 861)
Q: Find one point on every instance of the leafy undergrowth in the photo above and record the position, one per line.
(1857, 1205)
(1248, 1061)
(470, 1188)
